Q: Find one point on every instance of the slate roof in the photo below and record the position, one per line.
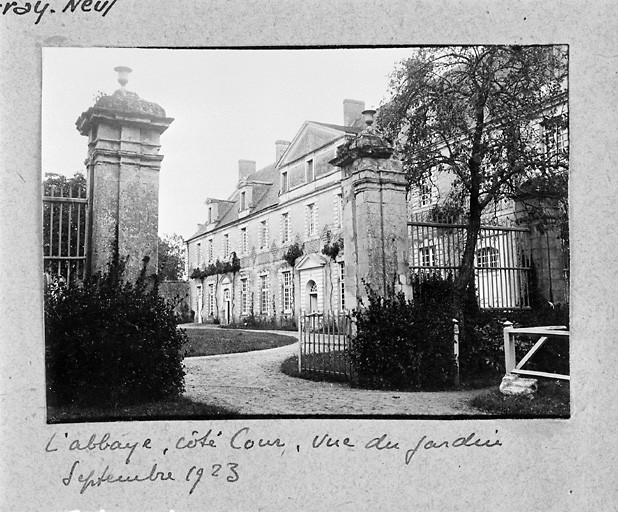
(268, 195)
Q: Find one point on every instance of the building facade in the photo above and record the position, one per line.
(244, 261)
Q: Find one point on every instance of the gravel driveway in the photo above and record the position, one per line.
(251, 383)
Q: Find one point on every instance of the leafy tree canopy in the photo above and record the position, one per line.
(487, 115)
(171, 258)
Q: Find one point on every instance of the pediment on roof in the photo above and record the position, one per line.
(308, 261)
(310, 137)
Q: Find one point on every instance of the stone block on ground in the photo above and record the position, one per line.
(515, 385)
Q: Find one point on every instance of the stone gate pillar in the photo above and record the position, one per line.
(375, 216)
(123, 166)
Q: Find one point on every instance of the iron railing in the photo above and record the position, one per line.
(324, 343)
(501, 263)
(65, 211)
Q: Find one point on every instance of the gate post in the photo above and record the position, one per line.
(375, 215)
(123, 166)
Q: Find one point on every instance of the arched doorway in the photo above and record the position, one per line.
(312, 291)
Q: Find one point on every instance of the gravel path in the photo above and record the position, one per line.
(251, 383)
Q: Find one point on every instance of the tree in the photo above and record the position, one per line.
(483, 114)
(171, 258)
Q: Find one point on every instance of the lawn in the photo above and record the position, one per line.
(550, 401)
(174, 408)
(207, 342)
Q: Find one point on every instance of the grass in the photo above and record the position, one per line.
(175, 408)
(207, 342)
(335, 365)
(550, 401)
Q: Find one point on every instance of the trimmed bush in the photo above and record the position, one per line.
(403, 345)
(111, 342)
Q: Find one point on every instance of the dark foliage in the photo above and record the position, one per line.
(217, 268)
(332, 248)
(402, 344)
(482, 343)
(111, 342)
(294, 252)
(171, 258)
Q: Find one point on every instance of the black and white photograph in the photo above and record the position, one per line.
(337, 232)
(274, 255)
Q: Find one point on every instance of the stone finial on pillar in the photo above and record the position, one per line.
(123, 167)
(374, 214)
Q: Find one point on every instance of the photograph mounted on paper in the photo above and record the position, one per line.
(306, 233)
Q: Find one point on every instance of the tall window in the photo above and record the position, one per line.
(426, 192)
(226, 246)
(287, 291)
(342, 285)
(244, 243)
(285, 227)
(310, 170)
(243, 200)
(199, 255)
(264, 294)
(263, 234)
(210, 250)
(338, 207)
(426, 256)
(211, 299)
(556, 136)
(284, 182)
(312, 227)
(244, 296)
(487, 257)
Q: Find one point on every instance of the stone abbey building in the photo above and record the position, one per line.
(336, 193)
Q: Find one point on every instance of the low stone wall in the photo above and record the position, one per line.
(177, 292)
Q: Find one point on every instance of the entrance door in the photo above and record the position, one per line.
(200, 305)
(227, 305)
(313, 296)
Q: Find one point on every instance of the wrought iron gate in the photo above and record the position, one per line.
(65, 212)
(501, 264)
(324, 343)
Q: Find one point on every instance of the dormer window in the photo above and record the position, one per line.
(243, 200)
(284, 182)
(309, 171)
(209, 215)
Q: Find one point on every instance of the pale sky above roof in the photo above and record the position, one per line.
(228, 105)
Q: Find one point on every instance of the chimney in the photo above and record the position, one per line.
(280, 147)
(352, 112)
(245, 168)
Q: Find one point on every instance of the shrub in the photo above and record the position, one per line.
(402, 344)
(111, 342)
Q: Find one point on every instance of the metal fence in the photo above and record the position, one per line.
(324, 342)
(502, 260)
(65, 210)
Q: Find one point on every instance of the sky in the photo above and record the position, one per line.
(227, 105)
